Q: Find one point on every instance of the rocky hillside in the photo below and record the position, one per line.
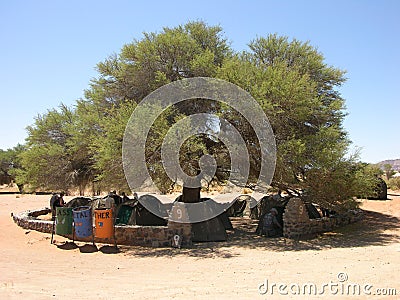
(395, 163)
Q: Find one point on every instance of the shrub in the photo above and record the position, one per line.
(394, 183)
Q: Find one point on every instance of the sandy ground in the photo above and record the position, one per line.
(368, 253)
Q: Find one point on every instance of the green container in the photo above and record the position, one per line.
(64, 220)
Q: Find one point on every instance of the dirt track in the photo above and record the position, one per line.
(367, 252)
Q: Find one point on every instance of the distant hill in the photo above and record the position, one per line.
(395, 163)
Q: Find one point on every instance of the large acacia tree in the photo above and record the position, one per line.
(290, 80)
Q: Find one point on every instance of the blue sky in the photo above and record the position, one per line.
(49, 50)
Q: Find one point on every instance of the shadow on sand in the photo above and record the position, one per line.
(88, 248)
(67, 246)
(106, 249)
(376, 229)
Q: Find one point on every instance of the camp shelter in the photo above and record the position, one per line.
(242, 206)
(79, 201)
(100, 202)
(312, 211)
(264, 206)
(147, 211)
(279, 217)
(150, 211)
(214, 229)
(124, 213)
(279, 203)
(209, 231)
(219, 209)
(267, 202)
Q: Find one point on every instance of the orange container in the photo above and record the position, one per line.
(104, 223)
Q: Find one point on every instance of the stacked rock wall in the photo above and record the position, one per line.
(297, 223)
(153, 236)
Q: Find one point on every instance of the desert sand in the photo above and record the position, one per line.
(366, 253)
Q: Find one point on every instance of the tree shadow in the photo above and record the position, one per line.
(375, 229)
(199, 250)
(393, 194)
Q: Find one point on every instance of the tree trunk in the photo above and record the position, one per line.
(191, 195)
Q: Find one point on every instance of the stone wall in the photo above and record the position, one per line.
(297, 223)
(153, 236)
(28, 220)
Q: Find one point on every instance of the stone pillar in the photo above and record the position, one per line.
(179, 224)
(184, 230)
(295, 218)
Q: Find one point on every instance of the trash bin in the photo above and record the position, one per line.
(63, 220)
(83, 221)
(104, 222)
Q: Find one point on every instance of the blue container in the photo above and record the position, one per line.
(83, 221)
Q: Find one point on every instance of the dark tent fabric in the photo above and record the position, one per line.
(266, 203)
(145, 217)
(134, 212)
(312, 211)
(124, 214)
(141, 213)
(223, 216)
(79, 201)
(205, 208)
(209, 231)
(225, 221)
(153, 204)
(213, 230)
(242, 206)
(237, 208)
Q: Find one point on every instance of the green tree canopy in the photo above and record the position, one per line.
(290, 80)
(55, 157)
(10, 163)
